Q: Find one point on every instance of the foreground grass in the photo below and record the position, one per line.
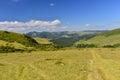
(83, 64)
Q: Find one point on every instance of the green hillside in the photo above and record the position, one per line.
(12, 42)
(105, 39)
(19, 38)
(69, 41)
(15, 44)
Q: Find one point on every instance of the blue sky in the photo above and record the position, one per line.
(59, 15)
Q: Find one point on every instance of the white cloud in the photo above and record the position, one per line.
(34, 23)
(109, 26)
(64, 27)
(87, 25)
(93, 27)
(52, 4)
(31, 25)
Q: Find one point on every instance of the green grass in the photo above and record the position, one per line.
(43, 40)
(18, 38)
(15, 44)
(83, 64)
(101, 40)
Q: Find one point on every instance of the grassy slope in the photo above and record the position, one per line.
(15, 44)
(18, 38)
(106, 38)
(84, 64)
(43, 40)
(67, 42)
(18, 41)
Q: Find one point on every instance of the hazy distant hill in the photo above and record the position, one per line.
(61, 34)
(105, 39)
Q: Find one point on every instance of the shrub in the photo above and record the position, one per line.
(6, 49)
(112, 46)
(85, 46)
(48, 47)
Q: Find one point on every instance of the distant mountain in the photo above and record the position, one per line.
(61, 34)
(106, 39)
(65, 38)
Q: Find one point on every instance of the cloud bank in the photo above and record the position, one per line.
(102, 27)
(17, 26)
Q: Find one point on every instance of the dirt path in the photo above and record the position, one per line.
(95, 74)
(98, 68)
(41, 73)
(22, 73)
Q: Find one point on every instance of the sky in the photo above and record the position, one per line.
(59, 15)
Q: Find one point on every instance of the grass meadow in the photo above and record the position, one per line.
(82, 64)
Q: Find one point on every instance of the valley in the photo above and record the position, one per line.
(59, 39)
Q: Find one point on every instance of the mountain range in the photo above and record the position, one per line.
(11, 41)
(65, 38)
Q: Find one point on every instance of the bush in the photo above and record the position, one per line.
(48, 47)
(7, 48)
(85, 46)
(108, 46)
(112, 46)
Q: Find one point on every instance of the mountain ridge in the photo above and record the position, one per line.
(65, 38)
